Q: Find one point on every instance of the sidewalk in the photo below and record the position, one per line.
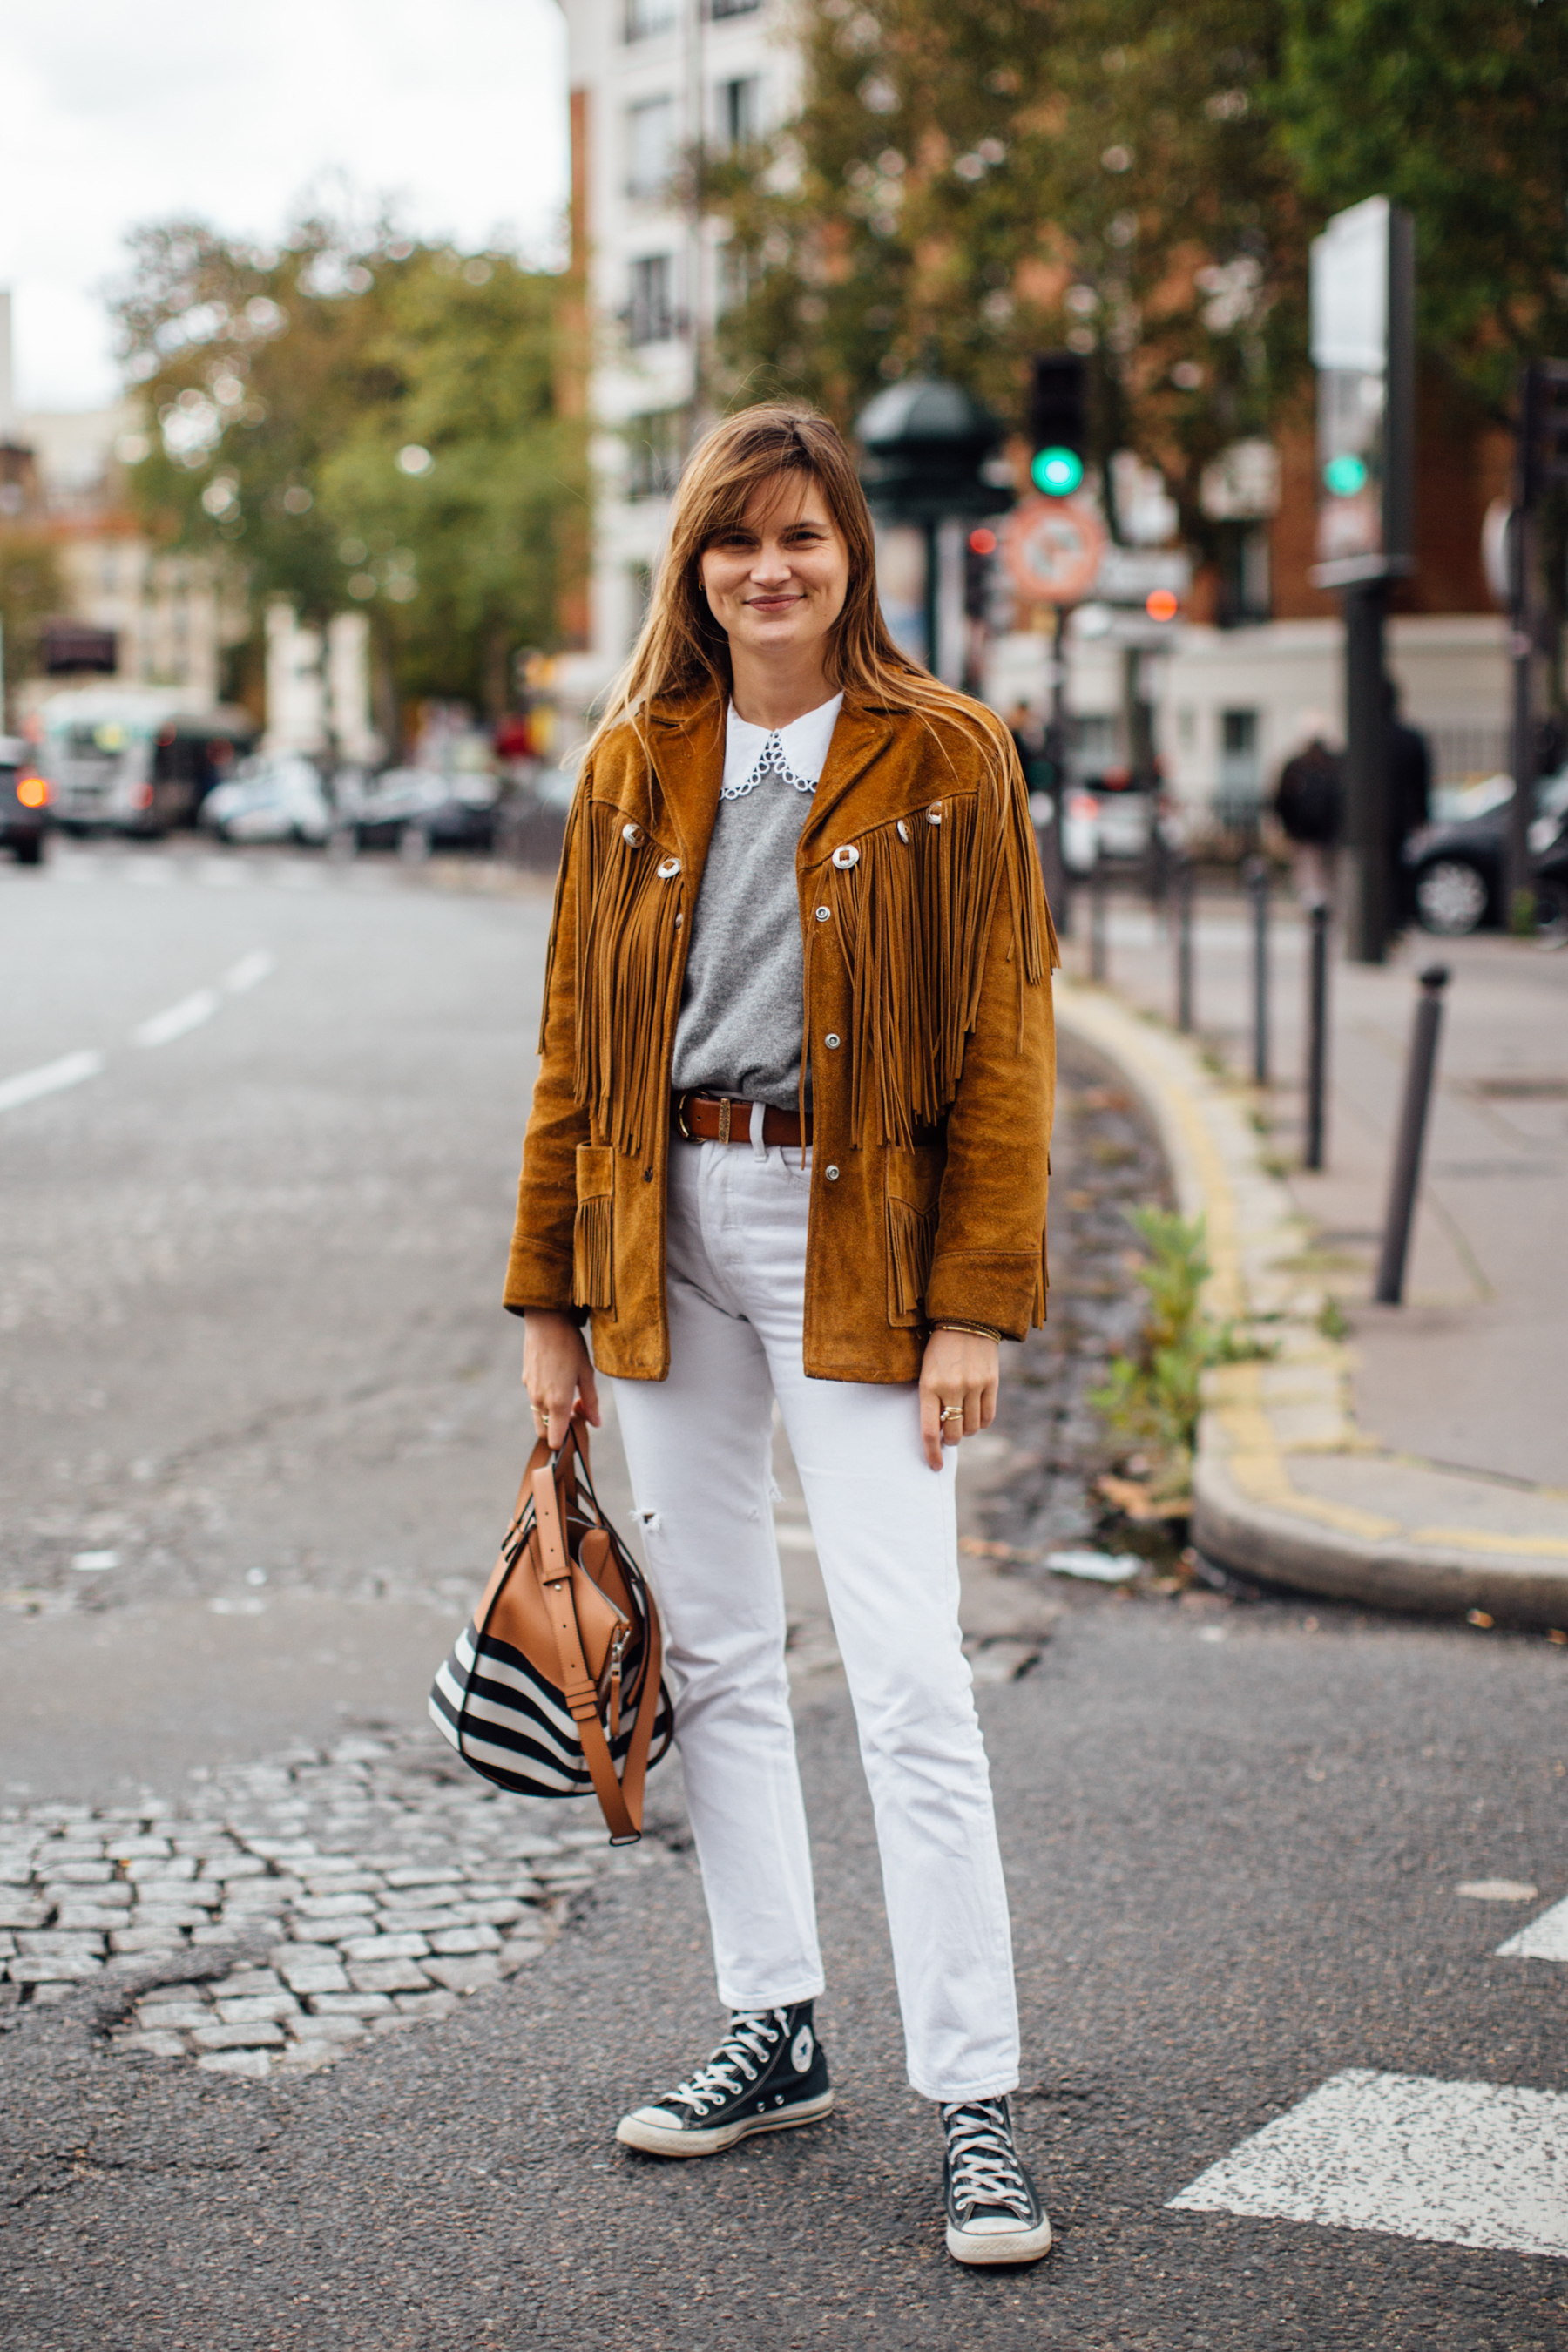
(1421, 1460)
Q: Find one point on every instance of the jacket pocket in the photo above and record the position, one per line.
(914, 1200)
(592, 1234)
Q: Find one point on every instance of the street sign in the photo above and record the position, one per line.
(1052, 549)
(1362, 298)
(1131, 575)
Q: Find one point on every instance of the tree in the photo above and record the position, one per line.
(31, 592)
(1457, 108)
(967, 186)
(357, 418)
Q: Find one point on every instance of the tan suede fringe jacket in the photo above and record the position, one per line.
(929, 950)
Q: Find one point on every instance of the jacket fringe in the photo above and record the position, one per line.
(912, 1243)
(628, 973)
(914, 919)
(592, 1254)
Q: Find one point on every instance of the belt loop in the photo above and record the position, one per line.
(759, 1129)
(723, 1118)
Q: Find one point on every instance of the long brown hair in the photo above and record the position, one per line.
(681, 650)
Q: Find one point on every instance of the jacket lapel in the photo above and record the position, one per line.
(862, 734)
(685, 740)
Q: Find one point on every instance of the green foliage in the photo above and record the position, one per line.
(1152, 1397)
(1457, 108)
(966, 186)
(284, 386)
(31, 591)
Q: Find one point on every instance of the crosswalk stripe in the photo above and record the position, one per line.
(178, 1020)
(1462, 2164)
(48, 1078)
(1545, 1939)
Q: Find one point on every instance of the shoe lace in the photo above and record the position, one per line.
(981, 2159)
(740, 2058)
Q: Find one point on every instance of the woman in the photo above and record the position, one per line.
(789, 1140)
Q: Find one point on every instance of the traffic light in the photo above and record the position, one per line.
(1059, 426)
(978, 550)
(1543, 429)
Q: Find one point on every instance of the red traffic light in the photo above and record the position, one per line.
(982, 542)
(1161, 605)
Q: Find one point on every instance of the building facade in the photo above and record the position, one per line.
(655, 83)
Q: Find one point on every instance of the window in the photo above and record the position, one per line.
(1245, 593)
(740, 111)
(639, 589)
(732, 7)
(650, 146)
(655, 446)
(734, 274)
(1239, 775)
(650, 313)
(646, 17)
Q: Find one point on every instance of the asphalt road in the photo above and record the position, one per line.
(249, 1295)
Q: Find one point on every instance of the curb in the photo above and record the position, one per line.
(1284, 1485)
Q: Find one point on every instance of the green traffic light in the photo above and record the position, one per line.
(1057, 472)
(1346, 475)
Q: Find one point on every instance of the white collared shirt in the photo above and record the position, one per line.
(796, 753)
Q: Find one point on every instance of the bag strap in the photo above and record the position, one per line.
(576, 1684)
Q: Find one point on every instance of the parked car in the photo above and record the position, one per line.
(1456, 866)
(139, 759)
(416, 811)
(1107, 817)
(271, 800)
(24, 802)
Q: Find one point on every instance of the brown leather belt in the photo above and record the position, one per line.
(711, 1118)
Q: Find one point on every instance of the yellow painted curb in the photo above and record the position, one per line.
(1270, 1425)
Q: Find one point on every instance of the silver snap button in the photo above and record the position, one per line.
(933, 814)
(831, 1174)
(632, 834)
(846, 855)
(678, 920)
(832, 1039)
(824, 914)
(903, 830)
(668, 869)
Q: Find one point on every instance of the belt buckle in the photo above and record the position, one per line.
(680, 1103)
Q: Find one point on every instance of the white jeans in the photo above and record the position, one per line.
(697, 1444)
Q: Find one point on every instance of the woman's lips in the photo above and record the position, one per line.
(774, 604)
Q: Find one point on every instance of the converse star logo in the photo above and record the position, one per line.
(800, 2051)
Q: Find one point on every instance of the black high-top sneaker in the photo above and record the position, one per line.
(994, 2210)
(769, 2073)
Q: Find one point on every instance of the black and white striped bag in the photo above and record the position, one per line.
(554, 1688)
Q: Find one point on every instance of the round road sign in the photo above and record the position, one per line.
(1052, 549)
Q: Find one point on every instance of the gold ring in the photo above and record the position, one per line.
(952, 1413)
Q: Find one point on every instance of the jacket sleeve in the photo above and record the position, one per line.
(988, 1264)
(539, 1271)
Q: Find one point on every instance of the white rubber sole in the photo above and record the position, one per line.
(662, 2139)
(979, 2249)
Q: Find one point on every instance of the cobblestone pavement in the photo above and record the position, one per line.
(295, 1908)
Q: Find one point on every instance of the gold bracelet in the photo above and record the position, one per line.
(976, 1330)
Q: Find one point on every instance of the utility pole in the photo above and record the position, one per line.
(1363, 297)
(1542, 463)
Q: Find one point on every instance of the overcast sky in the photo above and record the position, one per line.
(118, 112)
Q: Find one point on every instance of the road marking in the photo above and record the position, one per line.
(1459, 2164)
(1545, 1939)
(248, 972)
(179, 1020)
(1497, 1890)
(68, 1071)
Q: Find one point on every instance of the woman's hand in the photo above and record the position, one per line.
(959, 1370)
(557, 1372)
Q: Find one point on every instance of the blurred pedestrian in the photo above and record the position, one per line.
(788, 1141)
(1407, 803)
(1309, 802)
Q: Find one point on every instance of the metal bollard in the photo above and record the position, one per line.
(1257, 887)
(1419, 1075)
(1317, 1031)
(1184, 945)
(1097, 951)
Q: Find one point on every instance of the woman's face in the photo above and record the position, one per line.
(776, 583)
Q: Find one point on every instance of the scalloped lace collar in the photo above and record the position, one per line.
(796, 753)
